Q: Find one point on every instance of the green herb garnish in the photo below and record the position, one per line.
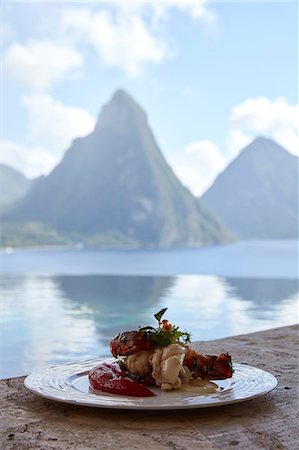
(159, 314)
(165, 334)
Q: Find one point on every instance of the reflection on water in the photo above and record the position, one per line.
(269, 292)
(116, 302)
(51, 319)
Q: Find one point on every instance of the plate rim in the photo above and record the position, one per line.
(138, 407)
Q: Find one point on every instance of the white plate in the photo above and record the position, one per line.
(68, 383)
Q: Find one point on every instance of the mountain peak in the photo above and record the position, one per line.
(121, 96)
(256, 195)
(120, 108)
(115, 187)
(263, 145)
(262, 140)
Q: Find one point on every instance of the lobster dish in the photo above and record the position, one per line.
(156, 356)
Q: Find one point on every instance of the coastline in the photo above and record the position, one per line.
(258, 259)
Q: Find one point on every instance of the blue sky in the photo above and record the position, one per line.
(212, 76)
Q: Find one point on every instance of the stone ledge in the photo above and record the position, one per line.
(269, 422)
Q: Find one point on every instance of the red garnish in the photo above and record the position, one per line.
(166, 326)
(108, 377)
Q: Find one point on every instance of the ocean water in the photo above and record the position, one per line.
(64, 305)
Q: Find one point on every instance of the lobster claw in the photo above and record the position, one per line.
(222, 367)
(128, 342)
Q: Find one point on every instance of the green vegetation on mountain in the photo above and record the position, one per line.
(115, 186)
(256, 196)
(30, 234)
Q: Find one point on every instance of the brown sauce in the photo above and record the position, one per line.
(200, 387)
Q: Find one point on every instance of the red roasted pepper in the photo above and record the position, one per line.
(108, 377)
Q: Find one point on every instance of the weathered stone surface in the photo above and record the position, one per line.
(269, 422)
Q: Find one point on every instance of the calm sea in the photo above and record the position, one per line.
(64, 305)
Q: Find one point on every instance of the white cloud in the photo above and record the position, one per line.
(125, 35)
(39, 64)
(198, 165)
(123, 41)
(53, 125)
(199, 10)
(276, 119)
(236, 140)
(196, 9)
(30, 160)
(128, 35)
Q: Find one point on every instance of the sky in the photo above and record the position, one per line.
(212, 76)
